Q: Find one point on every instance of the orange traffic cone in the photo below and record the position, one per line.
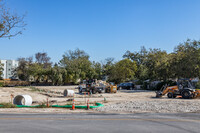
(73, 106)
(88, 106)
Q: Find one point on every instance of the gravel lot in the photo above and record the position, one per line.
(125, 101)
(164, 106)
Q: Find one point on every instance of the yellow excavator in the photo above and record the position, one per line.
(184, 88)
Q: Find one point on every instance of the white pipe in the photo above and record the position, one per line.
(23, 100)
(68, 93)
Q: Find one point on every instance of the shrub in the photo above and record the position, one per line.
(7, 105)
(1, 84)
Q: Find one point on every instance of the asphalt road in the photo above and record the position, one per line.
(98, 123)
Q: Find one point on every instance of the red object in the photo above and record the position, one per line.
(73, 106)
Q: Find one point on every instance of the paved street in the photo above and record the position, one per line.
(97, 123)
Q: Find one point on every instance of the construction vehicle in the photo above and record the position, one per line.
(111, 88)
(94, 86)
(91, 86)
(184, 88)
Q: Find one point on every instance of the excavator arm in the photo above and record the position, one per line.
(164, 90)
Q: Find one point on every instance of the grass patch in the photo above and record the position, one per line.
(42, 105)
(7, 105)
(36, 89)
(20, 86)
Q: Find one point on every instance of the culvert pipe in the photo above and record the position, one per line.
(23, 100)
(68, 93)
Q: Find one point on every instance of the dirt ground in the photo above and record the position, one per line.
(55, 96)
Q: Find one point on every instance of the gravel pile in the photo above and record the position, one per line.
(153, 106)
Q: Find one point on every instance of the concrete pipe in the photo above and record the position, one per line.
(68, 93)
(23, 100)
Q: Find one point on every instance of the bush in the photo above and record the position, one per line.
(1, 84)
(42, 105)
(7, 105)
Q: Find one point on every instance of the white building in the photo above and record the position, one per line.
(8, 68)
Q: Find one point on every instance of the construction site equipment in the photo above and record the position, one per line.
(128, 86)
(184, 88)
(68, 93)
(111, 88)
(92, 86)
(23, 100)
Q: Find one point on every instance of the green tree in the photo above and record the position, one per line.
(41, 68)
(77, 65)
(108, 66)
(152, 64)
(38, 70)
(141, 59)
(97, 70)
(157, 63)
(185, 60)
(22, 69)
(58, 75)
(123, 70)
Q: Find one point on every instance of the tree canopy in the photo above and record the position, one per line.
(123, 70)
(153, 64)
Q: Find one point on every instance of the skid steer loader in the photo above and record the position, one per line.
(110, 88)
(184, 88)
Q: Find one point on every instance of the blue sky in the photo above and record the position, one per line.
(102, 28)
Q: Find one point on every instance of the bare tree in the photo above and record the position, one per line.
(29, 59)
(42, 58)
(11, 24)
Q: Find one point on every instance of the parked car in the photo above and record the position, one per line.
(128, 86)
